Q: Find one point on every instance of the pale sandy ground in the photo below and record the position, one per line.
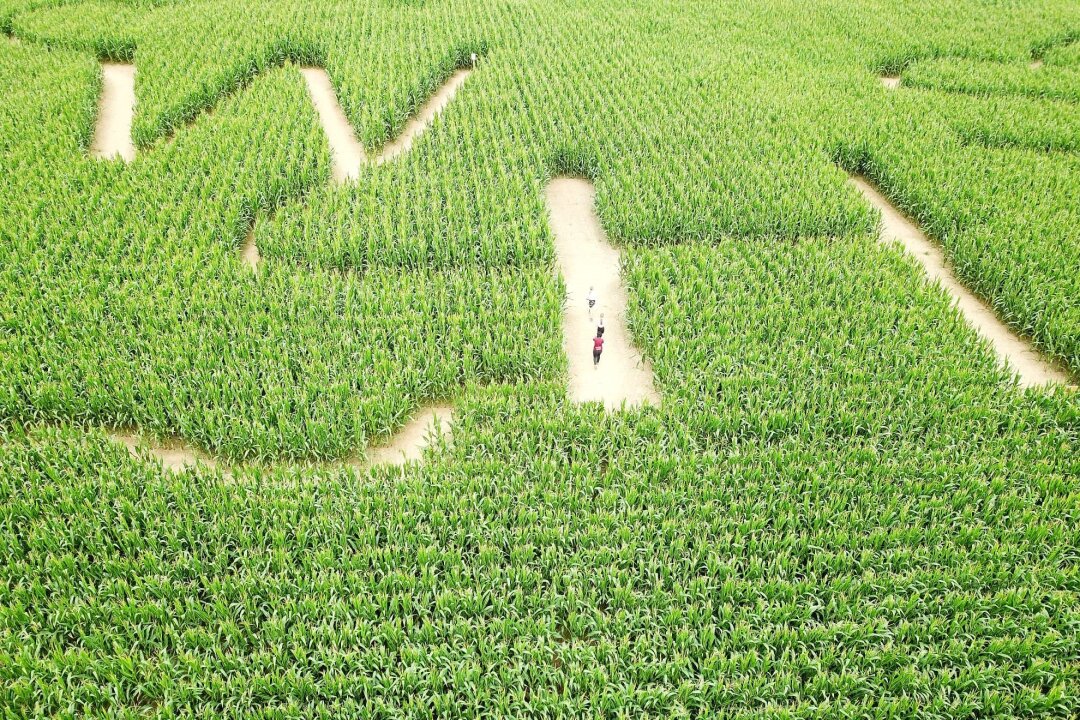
(1035, 64)
(348, 154)
(1013, 351)
(249, 253)
(585, 258)
(424, 117)
(116, 108)
(406, 445)
(173, 456)
(890, 81)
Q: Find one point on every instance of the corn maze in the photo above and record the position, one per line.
(297, 416)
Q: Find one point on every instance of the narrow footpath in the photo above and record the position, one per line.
(1012, 350)
(116, 108)
(407, 445)
(586, 259)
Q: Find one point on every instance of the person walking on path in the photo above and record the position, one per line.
(597, 348)
(591, 299)
(600, 326)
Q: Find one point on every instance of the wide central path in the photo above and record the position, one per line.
(586, 259)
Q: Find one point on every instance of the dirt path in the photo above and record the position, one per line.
(1011, 349)
(249, 253)
(891, 82)
(408, 443)
(586, 259)
(173, 456)
(116, 108)
(348, 153)
(424, 117)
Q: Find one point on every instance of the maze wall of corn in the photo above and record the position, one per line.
(843, 504)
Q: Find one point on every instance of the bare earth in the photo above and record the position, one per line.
(407, 445)
(890, 81)
(174, 456)
(348, 153)
(424, 117)
(249, 253)
(409, 442)
(585, 258)
(1012, 350)
(116, 108)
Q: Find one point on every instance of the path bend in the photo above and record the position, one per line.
(407, 445)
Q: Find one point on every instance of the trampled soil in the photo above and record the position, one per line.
(424, 117)
(890, 81)
(586, 259)
(346, 151)
(249, 252)
(348, 154)
(116, 108)
(1033, 369)
(408, 444)
(173, 456)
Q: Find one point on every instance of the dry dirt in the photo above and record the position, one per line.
(348, 154)
(586, 259)
(116, 108)
(249, 253)
(890, 81)
(423, 119)
(173, 456)
(1011, 349)
(1035, 64)
(407, 444)
(346, 151)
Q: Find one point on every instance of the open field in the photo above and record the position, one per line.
(297, 411)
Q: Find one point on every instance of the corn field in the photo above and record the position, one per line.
(843, 507)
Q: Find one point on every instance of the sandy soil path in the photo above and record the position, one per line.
(1013, 351)
(249, 252)
(116, 108)
(408, 444)
(586, 259)
(891, 82)
(422, 120)
(174, 456)
(348, 153)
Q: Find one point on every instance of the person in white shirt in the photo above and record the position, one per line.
(600, 326)
(591, 299)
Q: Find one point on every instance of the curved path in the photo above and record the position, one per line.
(405, 446)
(1012, 350)
(586, 259)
